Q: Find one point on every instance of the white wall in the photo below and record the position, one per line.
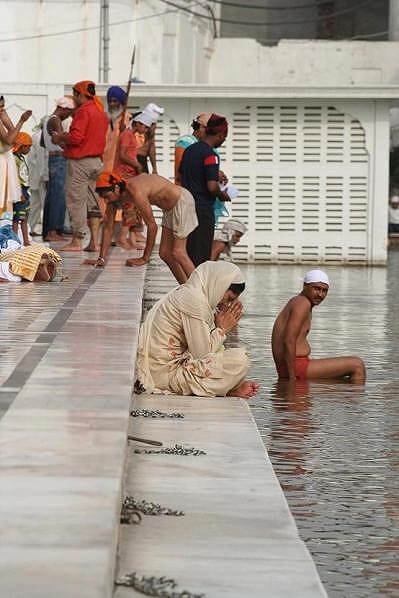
(295, 62)
(171, 48)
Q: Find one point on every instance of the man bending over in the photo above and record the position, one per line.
(290, 346)
(179, 219)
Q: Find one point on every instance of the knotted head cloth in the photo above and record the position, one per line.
(20, 140)
(88, 89)
(217, 124)
(316, 276)
(66, 102)
(108, 179)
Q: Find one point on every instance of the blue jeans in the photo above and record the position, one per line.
(54, 204)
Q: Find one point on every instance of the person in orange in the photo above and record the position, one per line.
(127, 165)
(84, 147)
(290, 346)
(21, 208)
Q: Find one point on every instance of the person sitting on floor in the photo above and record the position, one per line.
(224, 239)
(179, 218)
(181, 340)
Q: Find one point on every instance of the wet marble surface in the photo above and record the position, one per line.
(238, 537)
(66, 368)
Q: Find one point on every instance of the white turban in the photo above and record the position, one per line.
(153, 111)
(65, 102)
(144, 119)
(316, 276)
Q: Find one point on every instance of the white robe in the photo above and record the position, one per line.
(180, 349)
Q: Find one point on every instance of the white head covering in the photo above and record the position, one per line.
(205, 288)
(144, 119)
(65, 102)
(316, 276)
(228, 230)
(153, 111)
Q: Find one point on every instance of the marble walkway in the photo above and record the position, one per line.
(67, 350)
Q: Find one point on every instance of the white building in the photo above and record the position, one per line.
(309, 137)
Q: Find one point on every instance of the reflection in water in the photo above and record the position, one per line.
(334, 446)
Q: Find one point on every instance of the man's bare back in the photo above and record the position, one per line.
(154, 189)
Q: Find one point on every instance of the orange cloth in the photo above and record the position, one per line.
(111, 142)
(88, 89)
(128, 143)
(20, 140)
(108, 179)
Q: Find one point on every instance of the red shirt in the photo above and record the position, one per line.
(127, 141)
(86, 137)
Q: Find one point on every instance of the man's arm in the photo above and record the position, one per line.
(141, 202)
(77, 132)
(131, 161)
(215, 190)
(299, 312)
(152, 153)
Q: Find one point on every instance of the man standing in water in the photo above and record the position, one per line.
(290, 346)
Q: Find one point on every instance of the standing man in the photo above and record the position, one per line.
(85, 143)
(116, 101)
(37, 160)
(54, 204)
(199, 129)
(290, 346)
(199, 173)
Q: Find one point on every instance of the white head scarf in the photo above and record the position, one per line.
(229, 227)
(316, 276)
(198, 298)
(205, 288)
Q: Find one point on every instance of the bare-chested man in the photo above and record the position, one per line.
(179, 218)
(290, 346)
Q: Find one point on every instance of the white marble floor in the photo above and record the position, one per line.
(66, 370)
(238, 537)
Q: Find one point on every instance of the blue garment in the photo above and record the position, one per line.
(54, 204)
(6, 234)
(199, 165)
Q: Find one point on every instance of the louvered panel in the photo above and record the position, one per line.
(241, 136)
(303, 171)
(264, 203)
(265, 131)
(288, 131)
(358, 204)
(286, 204)
(335, 136)
(310, 204)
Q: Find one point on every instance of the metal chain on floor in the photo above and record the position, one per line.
(160, 587)
(178, 449)
(155, 414)
(131, 506)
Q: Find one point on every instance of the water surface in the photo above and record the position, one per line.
(334, 447)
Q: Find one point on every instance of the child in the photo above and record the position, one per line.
(22, 145)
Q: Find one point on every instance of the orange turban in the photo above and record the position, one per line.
(108, 179)
(20, 140)
(88, 89)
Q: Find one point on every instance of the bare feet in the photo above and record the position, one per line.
(54, 238)
(92, 248)
(124, 244)
(72, 246)
(245, 390)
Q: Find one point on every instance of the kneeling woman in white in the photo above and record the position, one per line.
(181, 341)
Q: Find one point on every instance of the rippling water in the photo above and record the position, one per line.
(334, 446)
